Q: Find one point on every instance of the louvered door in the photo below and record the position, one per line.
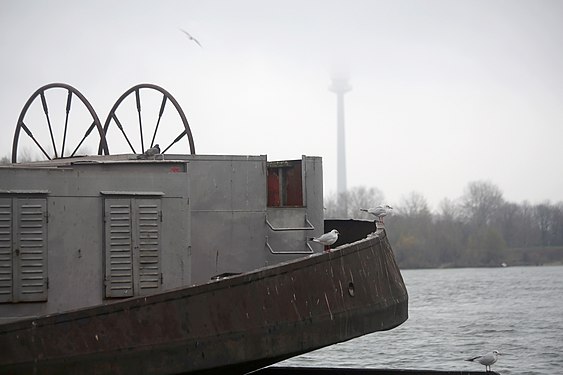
(119, 248)
(6, 267)
(30, 262)
(23, 249)
(147, 245)
(132, 248)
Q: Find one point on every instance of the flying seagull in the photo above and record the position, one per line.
(379, 211)
(191, 37)
(326, 239)
(486, 360)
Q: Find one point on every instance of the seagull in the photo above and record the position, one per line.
(326, 239)
(191, 37)
(487, 360)
(379, 211)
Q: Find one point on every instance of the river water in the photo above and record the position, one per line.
(459, 313)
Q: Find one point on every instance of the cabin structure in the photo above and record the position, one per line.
(85, 231)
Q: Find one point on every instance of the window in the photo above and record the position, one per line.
(285, 185)
(132, 246)
(23, 249)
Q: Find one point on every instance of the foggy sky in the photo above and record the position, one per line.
(444, 92)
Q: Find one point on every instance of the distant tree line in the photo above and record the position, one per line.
(479, 229)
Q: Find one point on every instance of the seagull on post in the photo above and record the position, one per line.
(379, 212)
(486, 360)
(326, 239)
(191, 37)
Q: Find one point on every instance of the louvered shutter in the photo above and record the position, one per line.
(6, 250)
(147, 245)
(30, 261)
(119, 248)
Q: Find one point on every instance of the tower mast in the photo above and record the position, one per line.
(340, 86)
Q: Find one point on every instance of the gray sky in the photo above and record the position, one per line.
(444, 92)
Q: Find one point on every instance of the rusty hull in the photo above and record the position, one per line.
(237, 324)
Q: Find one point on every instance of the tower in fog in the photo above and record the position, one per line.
(340, 86)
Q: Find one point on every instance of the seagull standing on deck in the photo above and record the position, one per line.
(191, 37)
(486, 360)
(326, 239)
(379, 212)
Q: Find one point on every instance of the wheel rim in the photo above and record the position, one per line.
(53, 149)
(127, 133)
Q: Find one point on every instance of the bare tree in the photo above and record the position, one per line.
(544, 214)
(510, 223)
(414, 204)
(480, 202)
(449, 210)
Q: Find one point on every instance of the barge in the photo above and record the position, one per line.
(135, 263)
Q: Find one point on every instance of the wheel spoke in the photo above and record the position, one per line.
(138, 99)
(26, 129)
(182, 134)
(162, 105)
(45, 109)
(118, 123)
(83, 138)
(68, 104)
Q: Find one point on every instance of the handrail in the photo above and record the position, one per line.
(281, 229)
(289, 252)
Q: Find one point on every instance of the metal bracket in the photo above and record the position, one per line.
(278, 229)
(289, 252)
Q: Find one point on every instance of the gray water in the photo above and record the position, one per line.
(459, 313)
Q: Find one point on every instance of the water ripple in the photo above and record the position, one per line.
(458, 313)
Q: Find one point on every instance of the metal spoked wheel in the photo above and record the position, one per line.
(46, 131)
(132, 129)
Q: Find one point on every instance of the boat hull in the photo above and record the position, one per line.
(237, 324)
